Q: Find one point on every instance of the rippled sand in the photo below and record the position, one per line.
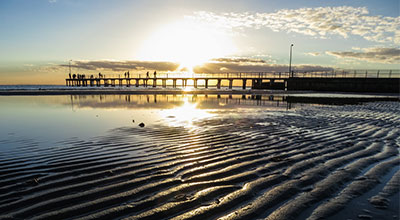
(309, 163)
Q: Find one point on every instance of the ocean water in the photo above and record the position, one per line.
(47, 119)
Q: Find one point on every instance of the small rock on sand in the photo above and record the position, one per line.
(133, 121)
(364, 217)
(141, 125)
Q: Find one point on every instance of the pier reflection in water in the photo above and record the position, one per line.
(171, 101)
(53, 118)
(179, 110)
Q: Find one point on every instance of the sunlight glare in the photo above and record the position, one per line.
(185, 114)
(187, 42)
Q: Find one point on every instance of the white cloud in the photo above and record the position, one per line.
(374, 55)
(314, 54)
(318, 22)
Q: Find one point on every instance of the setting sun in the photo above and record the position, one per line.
(189, 43)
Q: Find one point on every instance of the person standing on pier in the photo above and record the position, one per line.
(147, 74)
(127, 74)
(155, 74)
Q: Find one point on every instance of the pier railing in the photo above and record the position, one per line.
(339, 73)
(258, 80)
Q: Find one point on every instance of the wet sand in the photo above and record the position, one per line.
(311, 163)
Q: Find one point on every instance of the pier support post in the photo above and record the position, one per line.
(164, 83)
(219, 83)
(174, 83)
(253, 83)
(230, 83)
(154, 82)
(244, 83)
(120, 83)
(113, 82)
(206, 83)
(66, 82)
(137, 82)
(195, 83)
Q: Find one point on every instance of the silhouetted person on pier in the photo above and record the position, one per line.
(147, 74)
(155, 74)
(74, 76)
(127, 74)
(99, 75)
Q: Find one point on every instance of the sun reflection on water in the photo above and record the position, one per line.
(185, 114)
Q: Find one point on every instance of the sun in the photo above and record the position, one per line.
(188, 43)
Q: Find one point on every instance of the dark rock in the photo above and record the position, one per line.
(141, 125)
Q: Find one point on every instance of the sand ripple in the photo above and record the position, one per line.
(305, 164)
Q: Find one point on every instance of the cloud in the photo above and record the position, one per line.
(314, 54)
(374, 55)
(238, 60)
(318, 22)
(251, 65)
(120, 66)
(216, 65)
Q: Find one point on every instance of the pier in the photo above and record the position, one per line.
(387, 81)
(181, 80)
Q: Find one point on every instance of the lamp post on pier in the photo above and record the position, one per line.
(70, 67)
(290, 60)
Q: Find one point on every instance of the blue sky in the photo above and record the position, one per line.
(38, 38)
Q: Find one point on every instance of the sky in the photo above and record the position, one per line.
(40, 39)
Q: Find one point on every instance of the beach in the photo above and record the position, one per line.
(199, 155)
